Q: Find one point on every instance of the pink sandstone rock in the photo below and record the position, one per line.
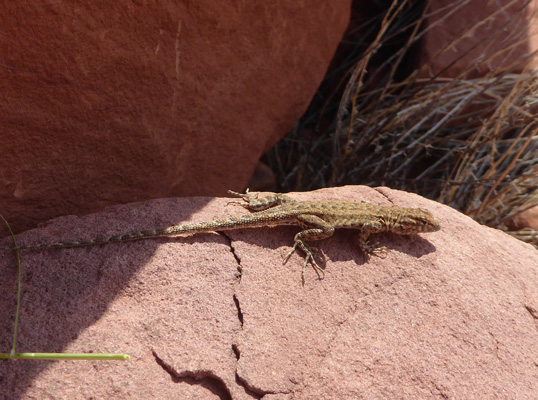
(451, 314)
(525, 219)
(480, 36)
(114, 102)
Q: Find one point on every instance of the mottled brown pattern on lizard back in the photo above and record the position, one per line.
(356, 215)
(318, 220)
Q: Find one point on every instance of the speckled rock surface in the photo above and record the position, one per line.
(480, 37)
(113, 102)
(450, 314)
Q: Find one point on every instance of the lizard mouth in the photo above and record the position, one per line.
(432, 227)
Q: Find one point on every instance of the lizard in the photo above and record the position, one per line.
(317, 219)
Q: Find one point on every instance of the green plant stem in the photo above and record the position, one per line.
(45, 356)
(64, 356)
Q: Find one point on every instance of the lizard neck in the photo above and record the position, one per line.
(392, 220)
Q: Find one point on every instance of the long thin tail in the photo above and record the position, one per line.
(253, 220)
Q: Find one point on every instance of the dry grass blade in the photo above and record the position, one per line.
(470, 141)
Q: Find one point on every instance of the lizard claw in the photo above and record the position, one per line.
(247, 197)
(320, 271)
(290, 253)
(246, 194)
(235, 202)
(309, 251)
(380, 251)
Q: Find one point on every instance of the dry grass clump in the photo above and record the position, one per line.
(470, 141)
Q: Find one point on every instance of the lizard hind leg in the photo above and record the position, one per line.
(253, 203)
(315, 228)
(309, 256)
(244, 196)
(368, 249)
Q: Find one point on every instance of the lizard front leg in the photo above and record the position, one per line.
(315, 228)
(366, 247)
(263, 203)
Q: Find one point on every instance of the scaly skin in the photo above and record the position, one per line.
(318, 219)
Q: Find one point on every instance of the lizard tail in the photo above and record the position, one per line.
(243, 221)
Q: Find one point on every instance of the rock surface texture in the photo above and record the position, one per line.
(114, 102)
(480, 37)
(446, 315)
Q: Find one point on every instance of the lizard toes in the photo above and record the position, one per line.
(380, 251)
(235, 202)
(320, 271)
(373, 250)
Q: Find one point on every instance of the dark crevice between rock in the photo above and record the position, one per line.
(254, 395)
(534, 314)
(239, 313)
(236, 351)
(253, 392)
(232, 249)
(206, 379)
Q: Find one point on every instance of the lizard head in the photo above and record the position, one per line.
(414, 220)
